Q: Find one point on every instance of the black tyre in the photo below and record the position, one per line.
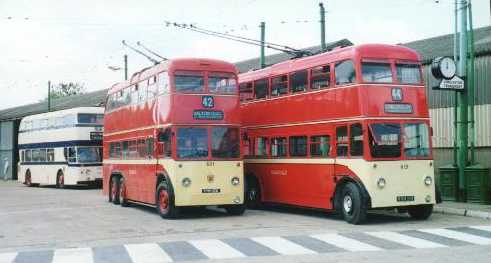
(420, 212)
(123, 201)
(60, 180)
(28, 179)
(353, 207)
(253, 194)
(235, 210)
(165, 201)
(114, 190)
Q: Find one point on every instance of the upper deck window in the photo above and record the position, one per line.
(408, 73)
(163, 83)
(320, 77)
(90, 118)
(345, 72)
(189, 82)
(261, 89)
(222, 83)
(245, 91)
(378, 72)
(299, 81)
(279, 85)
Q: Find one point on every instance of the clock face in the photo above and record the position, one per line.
(448, 68)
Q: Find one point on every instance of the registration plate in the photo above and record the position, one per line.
(405, 198)
(210, 190)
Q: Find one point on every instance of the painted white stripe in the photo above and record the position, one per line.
(282, 246)
(216, 249)
(345, 243)
(458, 235)
(7, 257)
(484, 228)
(406, 240)
(73, 255)
(148, 253)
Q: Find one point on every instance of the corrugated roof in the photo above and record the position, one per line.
(95, 98)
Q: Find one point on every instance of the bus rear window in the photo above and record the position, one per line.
(377, 72)
(225, 142)
(385, 140)
(89, 118)
(408, 73)
(189, 82)
(222, 83)
(192, 143)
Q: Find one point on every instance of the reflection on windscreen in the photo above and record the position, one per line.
(89, 154)
(189, 82)
(225, 142)
(416, 143)
(192, 142)
(222, 83)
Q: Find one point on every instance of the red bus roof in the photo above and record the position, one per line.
(193, 64)
(368, 51)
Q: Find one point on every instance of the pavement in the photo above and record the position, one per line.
(464, 209)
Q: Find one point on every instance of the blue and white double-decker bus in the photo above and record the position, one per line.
(61, 147)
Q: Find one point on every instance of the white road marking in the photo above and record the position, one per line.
(148, 252)
(405, 240)
(485, 228)
(214, 248)
(73, 255)
(346, 243)
(283, 246)
(7, 257)
(458, 235)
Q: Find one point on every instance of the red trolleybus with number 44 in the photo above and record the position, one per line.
(346, 130)
(172, 138)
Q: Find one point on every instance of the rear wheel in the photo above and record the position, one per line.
(60, 180)
(114, 190)
(253, 194)
(122, 193)
(165, 201)
(235, 210)
(353, 206)
(28, 179)
(420, 212)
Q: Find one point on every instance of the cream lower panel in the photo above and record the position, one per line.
(75, 174)
(403, 178)
(41, 174)
(205, 175)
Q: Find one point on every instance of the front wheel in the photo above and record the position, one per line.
(420, 212)
(253, 194)
(60, 180)
(122, 193)
(165, 201)
(235, 210)
(28, 179)
(353, 206)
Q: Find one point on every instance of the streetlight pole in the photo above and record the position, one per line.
(262, 62)
(323, 26)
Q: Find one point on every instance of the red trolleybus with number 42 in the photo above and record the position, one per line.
(346, 130)
(172, 138)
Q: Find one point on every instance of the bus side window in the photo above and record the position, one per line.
(142, 91)
(356, 140)
(28, 156)
(22, 156)
(50, 155)
(141, 148)
(245, 91)
(342, 141)
(298, 146)
(261, 89)
(320, 77)
(149, 147)
(278, 147)
(72, 155)
(163, 85)
(299, 81)
(279, 85)
(344, 72)
(114, 150)
(152, 87)
(260, 147)
(320, 146)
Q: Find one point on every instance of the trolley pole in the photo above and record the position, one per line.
(323, 27)
(262, 62)
(49, 95)
(462, 132)
(125, 67)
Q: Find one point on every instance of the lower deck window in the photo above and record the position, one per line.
(192, 142)
(298, 146)
(278, 147)
(342, 141)
(384, 140)
(319, 146)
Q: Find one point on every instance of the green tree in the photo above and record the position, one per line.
(64, 89)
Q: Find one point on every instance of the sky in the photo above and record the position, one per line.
(77, 41)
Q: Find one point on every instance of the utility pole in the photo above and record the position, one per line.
(49, 95)
(125, 67)
(323, 26)
(262, 62)
(462, 131)
(456, 102)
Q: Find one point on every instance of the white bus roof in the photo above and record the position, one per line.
(99, 110)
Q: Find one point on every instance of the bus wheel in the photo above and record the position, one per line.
(420, 212)
(353, 208)
(235, 210)
(253, 194)
(114, 190)
(60, 180)
(27, 179)
(122, 193)
(165, 201)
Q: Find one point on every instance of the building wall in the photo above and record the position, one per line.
(8, 150)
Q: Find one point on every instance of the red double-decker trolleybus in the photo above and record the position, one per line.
(347, 130)
(172, 138)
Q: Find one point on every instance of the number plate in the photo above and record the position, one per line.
(210, 190)
(405, 198)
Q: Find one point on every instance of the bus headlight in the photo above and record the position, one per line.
(186, 182)
(381, 183)
(428, 180)
(235, 181)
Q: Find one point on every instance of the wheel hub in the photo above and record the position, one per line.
(252, 194)
(348, 204)
(163, 200)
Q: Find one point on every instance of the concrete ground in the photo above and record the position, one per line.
(79, 221)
